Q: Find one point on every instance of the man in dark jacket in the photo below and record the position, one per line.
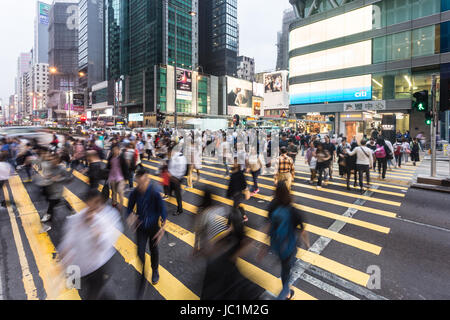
(150, 209)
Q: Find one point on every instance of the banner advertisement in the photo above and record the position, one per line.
(239, 94)
(273, 82)
(184, 84)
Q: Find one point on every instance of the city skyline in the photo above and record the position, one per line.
(268, 24)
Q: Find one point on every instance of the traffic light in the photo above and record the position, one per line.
(244, 121)
(236, 119)
(421, 103)
(428, 118)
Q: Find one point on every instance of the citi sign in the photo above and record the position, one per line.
(361, 94)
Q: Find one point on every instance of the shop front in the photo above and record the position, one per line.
(362, 124)
(316, 123)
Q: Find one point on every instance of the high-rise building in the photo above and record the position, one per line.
(218, 43)
(63, 55)
(39, 90)
(283, 40)
(246, 68)
(91, 43)
(24, 63)
(356, 66)
(147, 38)
(40, 49)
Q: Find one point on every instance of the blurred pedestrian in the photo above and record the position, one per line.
(88, 242)
(149, 221)
(283, 221)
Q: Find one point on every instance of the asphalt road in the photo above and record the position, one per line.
(390, 243)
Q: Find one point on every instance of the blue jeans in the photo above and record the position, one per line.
(286, 266)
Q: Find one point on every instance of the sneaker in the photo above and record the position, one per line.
(165, 197)
(245, 219)
(45, 228)
(255, 191)
(46, 218)
(155, 277)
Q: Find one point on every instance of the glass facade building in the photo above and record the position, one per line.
(141, 37)
(218, 32)
(360, 63)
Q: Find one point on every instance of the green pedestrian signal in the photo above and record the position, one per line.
(428, 118)
(421, 103)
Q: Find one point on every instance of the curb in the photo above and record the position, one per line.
(430, 187)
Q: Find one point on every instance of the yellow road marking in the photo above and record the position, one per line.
(41, 245)
(307, 179)
(393, 174)
(310, 257)
(169, 287)
(335, 178)
(261, 212)
(255, 274)
(27, 276)
(337, 268)
(346, 194)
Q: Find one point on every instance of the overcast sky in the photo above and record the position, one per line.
(259, 21)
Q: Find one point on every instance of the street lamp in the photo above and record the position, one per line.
(54, 71)
(192, 14)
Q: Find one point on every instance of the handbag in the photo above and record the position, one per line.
(106, 190)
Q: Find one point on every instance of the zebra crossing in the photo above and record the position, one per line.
(348, 232)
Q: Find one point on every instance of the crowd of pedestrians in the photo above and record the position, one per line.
(115, 165)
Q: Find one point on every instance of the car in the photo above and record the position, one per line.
(41, 134)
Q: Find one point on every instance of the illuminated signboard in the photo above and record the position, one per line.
(184, 84)
(340, 26)
(353, 55)
(239, 96)
(135, 117)
(357, 88)
(43, 13)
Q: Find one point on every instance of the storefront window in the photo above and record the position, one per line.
(377, 87)
(392, 85)
(398, 46)
(422, 81)
(403, 86)
(423, 41)
(390, 12)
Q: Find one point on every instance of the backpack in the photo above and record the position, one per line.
(380, 152)
(282, 233)
(398, 150)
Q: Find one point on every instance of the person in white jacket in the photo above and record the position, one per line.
(364, 162)
(88, 243)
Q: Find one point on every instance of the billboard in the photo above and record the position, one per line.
(43, 13)
(258, 89)
(184, 84)
(273, 82)
(357, 88)
(135, 117)
(343, 25)
(239, 94)
(348, 56)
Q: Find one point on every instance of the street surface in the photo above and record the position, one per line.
(392, 242)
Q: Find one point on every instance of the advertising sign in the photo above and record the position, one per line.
(357, 88)
(366, 106)
(273, 82)
(184, 84)
(239, 94)
(136, 117)
(258, 89)
(43, 13)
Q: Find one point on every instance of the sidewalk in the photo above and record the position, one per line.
(423, 173)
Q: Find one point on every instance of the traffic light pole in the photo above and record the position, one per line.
(434, 124)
